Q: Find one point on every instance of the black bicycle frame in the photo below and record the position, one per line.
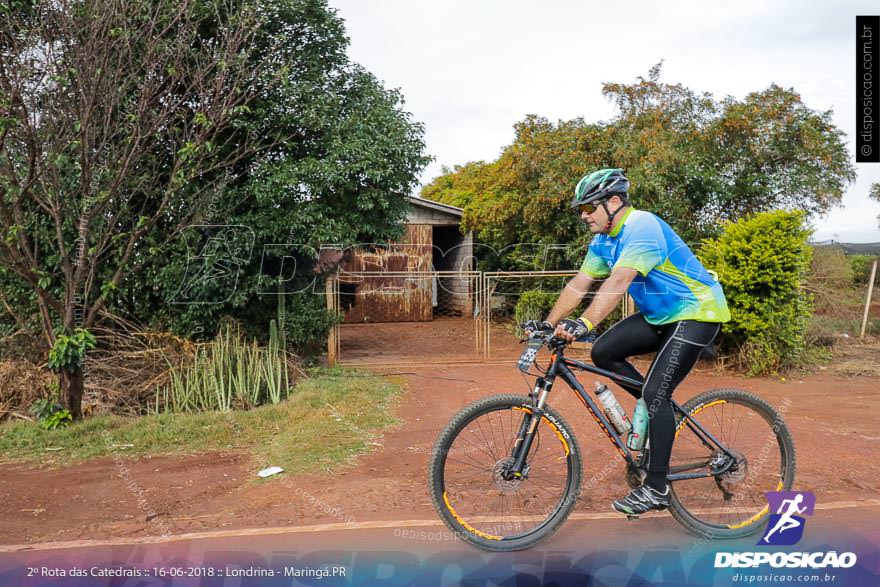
(562, 367)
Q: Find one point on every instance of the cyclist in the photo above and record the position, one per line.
(681, 307)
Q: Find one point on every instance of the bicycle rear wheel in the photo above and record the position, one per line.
(466, 474)
(729, 504)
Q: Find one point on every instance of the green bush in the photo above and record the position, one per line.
(50, 415)
(860, 266)
(762, 260)
(534, 305)
(306, 324)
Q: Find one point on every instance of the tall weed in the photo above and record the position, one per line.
(228, 373)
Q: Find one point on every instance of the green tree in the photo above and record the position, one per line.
(116, 117)
(691, 159)
(123, 124)
(660, 137)
(522, 197)
(341, 157)
(772, 151)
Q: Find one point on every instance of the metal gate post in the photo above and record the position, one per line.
(487, 306)
(331, 292)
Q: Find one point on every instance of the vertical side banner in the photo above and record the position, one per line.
(867, 102)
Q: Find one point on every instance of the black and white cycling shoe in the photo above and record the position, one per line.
(642, 499)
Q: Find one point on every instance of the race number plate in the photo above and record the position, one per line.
(528, 355)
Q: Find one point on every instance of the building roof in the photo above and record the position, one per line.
(431, 204)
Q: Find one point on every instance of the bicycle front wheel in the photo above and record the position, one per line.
(467, 480)
(731, 501)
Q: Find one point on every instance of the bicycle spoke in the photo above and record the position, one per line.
(501, 423)
(486, 440)
(741, 495)
(497, 506)
(487, 469)
(488, 454)
(736, 432)
(492, 432)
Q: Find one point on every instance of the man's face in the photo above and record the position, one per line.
(596, 217)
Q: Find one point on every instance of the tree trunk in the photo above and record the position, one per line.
(72, 391)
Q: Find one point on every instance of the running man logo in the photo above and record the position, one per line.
(786, 526)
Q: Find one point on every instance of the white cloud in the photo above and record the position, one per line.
(470, 70)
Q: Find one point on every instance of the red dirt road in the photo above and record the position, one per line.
(834, 422)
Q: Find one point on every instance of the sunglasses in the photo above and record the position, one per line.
(589, 208)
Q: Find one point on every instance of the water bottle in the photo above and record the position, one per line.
(639, 433)
(613, 410)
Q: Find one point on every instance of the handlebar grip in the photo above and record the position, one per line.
(550, 339)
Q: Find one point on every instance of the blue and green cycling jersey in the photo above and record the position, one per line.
(671, 284)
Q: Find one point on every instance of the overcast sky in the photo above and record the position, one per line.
(469, 70)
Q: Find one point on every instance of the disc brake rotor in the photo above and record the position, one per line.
(737, 472)
(498, 476)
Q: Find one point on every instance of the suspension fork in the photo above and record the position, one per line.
(529, 425)
(526, 419)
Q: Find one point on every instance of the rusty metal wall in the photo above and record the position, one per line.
(444, 339)
(384, 298)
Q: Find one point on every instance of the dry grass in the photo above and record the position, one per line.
(127, 366)
(121, 374)
(21, 384)
(130, 364)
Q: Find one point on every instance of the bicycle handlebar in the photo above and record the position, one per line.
(551, 340)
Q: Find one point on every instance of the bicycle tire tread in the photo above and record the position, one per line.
(446, 437)
(680, 513)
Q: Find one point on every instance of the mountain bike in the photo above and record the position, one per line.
(505, 472)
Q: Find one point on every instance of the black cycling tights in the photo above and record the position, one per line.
(679, 344)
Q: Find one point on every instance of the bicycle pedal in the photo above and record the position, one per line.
(629, 517)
